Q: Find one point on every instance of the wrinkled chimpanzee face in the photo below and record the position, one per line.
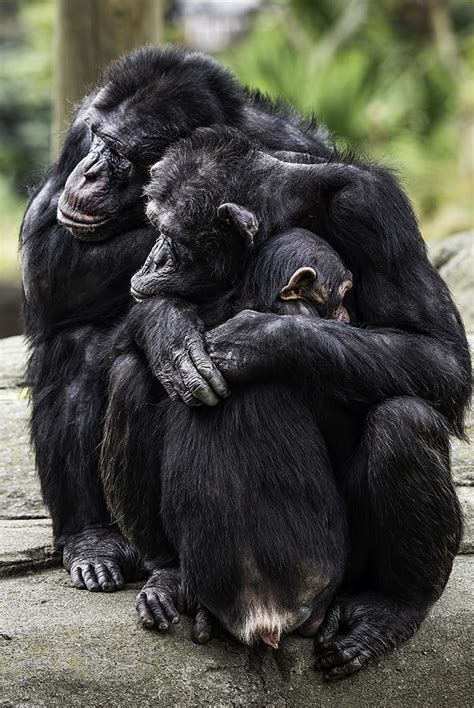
(104, 184)
(149, 100)
(200, 262)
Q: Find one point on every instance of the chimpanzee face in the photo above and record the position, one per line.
(195, 262)
(103, 184)
(149, 100)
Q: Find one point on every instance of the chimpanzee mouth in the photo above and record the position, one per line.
(85, 223)
(138, 295)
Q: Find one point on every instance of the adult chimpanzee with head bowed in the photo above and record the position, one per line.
(402, 374)
(83, 236)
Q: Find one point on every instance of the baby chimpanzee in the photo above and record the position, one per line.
(258, 527)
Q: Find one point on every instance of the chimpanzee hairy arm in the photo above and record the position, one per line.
(356, 366)
(410, 340)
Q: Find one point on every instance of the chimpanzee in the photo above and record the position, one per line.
(248, 496)
(403, 370)
(84, 234)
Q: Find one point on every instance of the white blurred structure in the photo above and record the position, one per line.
(211, 25)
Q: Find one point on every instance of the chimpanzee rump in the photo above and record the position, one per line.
(76, 273)
(248, 496)
(402, 373)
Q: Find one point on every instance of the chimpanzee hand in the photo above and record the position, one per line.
(248, 345)
(172, 337)
(359, 629)
(100, 558)
(161, 600)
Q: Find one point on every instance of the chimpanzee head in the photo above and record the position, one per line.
(316, 279)
(148, 100)
(211, 198)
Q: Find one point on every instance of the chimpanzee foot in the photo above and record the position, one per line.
(100, 558)
(163, 598)
(360, 629)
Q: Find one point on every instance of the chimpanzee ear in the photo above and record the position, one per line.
(345, 286)
(244, 221)
(301, 286)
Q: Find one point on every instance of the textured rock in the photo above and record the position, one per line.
(454, 258)
(26, 544)
(74, 648)
(466, 497)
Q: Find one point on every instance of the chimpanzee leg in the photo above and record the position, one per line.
(68, 394)
(405, 524)
(131, 449)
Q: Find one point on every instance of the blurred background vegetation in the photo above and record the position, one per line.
(391, 78)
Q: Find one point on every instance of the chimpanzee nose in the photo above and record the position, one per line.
(92, 166)
(157, 258)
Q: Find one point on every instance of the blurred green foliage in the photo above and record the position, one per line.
(26, 57)
(391, 78)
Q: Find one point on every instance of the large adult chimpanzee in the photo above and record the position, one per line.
(76, 276)
(404, 371)
(244, 491)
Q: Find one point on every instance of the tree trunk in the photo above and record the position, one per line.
(89, 35)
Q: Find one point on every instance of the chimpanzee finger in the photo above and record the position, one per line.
(146, 617)
(337, 658)
(208, 370)
(157, 611)
(89, 578)
(329, 628)
(346, 669)
(329, 647)
(194, 387)
(202, 627)
(169, 609)
(76, 577)
(103, 578)
(166, 375)
(116, 575)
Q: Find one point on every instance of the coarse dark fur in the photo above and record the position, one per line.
(76, 273)
(403, 371)
(247, 494)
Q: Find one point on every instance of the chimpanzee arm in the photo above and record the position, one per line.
(354, 365)
(411, 340)
(171, 335)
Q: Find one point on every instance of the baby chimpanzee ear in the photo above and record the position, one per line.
(242, 219)
(301, 286)
(345, 286)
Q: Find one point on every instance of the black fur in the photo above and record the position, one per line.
(402, 374)
(246, 491)
(76, 279)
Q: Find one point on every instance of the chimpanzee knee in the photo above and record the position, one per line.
(399, 422)
(411, 526)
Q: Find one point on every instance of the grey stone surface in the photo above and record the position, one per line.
(26, 544)
(454, 258)
(466, 497)
(20, 495)
(73, 648)
(12, 362)
(19, 486)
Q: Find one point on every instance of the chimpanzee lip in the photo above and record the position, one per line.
(88, 223)
(138, 295)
